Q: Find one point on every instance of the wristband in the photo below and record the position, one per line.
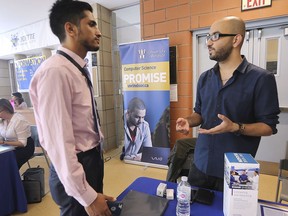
(240, 130)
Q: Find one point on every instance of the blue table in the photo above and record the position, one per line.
(12, 194)
(149, 186)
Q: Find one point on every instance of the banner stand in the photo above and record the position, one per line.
(146, 102)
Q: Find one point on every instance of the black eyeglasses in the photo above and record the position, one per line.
(215, 36)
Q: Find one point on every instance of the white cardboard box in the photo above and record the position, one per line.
(241, 178)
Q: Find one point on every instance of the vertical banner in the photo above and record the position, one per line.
(146, 92)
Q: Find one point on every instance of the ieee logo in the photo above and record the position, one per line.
(141, 53)
(14, 40)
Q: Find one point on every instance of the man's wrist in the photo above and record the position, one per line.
(235, 127)
(189, 120)
(240, 130)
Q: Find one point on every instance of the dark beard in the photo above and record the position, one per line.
(88, 47)
(222, 54)
(93, 49)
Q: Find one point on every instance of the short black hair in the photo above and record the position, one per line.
(136, 103)
(64, 11)
(6, 105)
(19, 97)
(17, 94)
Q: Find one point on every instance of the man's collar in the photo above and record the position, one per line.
(77, 58)
(241, 68)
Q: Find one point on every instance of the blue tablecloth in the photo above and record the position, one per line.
(12, 194)
(149, 186)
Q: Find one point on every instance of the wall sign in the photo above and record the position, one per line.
(254, 4)
(26, 38)
(24, 71)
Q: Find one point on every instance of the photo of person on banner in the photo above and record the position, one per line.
(137, 130)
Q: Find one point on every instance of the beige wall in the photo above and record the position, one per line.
(5, 85)
(106, 101)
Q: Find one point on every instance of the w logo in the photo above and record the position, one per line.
(142, 53)
(14, 40)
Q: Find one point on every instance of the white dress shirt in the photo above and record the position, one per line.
(18, 129)
(21, 106)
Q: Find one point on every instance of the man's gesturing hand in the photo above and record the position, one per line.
(182, 126)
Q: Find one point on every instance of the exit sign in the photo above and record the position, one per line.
(253, 4)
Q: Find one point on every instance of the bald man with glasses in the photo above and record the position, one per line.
(236, 104)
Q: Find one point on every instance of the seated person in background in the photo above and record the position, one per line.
(243, 178)
(137, 131)
(15, 131)
(18, 101)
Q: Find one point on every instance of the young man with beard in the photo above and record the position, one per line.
(137, 131)
(236, 104)
(66, 114)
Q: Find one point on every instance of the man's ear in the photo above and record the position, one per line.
(69, 28)
(237, 40)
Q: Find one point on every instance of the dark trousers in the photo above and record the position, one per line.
(23, 154)
(93, 166)
(200, 179)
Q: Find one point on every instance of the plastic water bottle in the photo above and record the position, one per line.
(183, 197)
